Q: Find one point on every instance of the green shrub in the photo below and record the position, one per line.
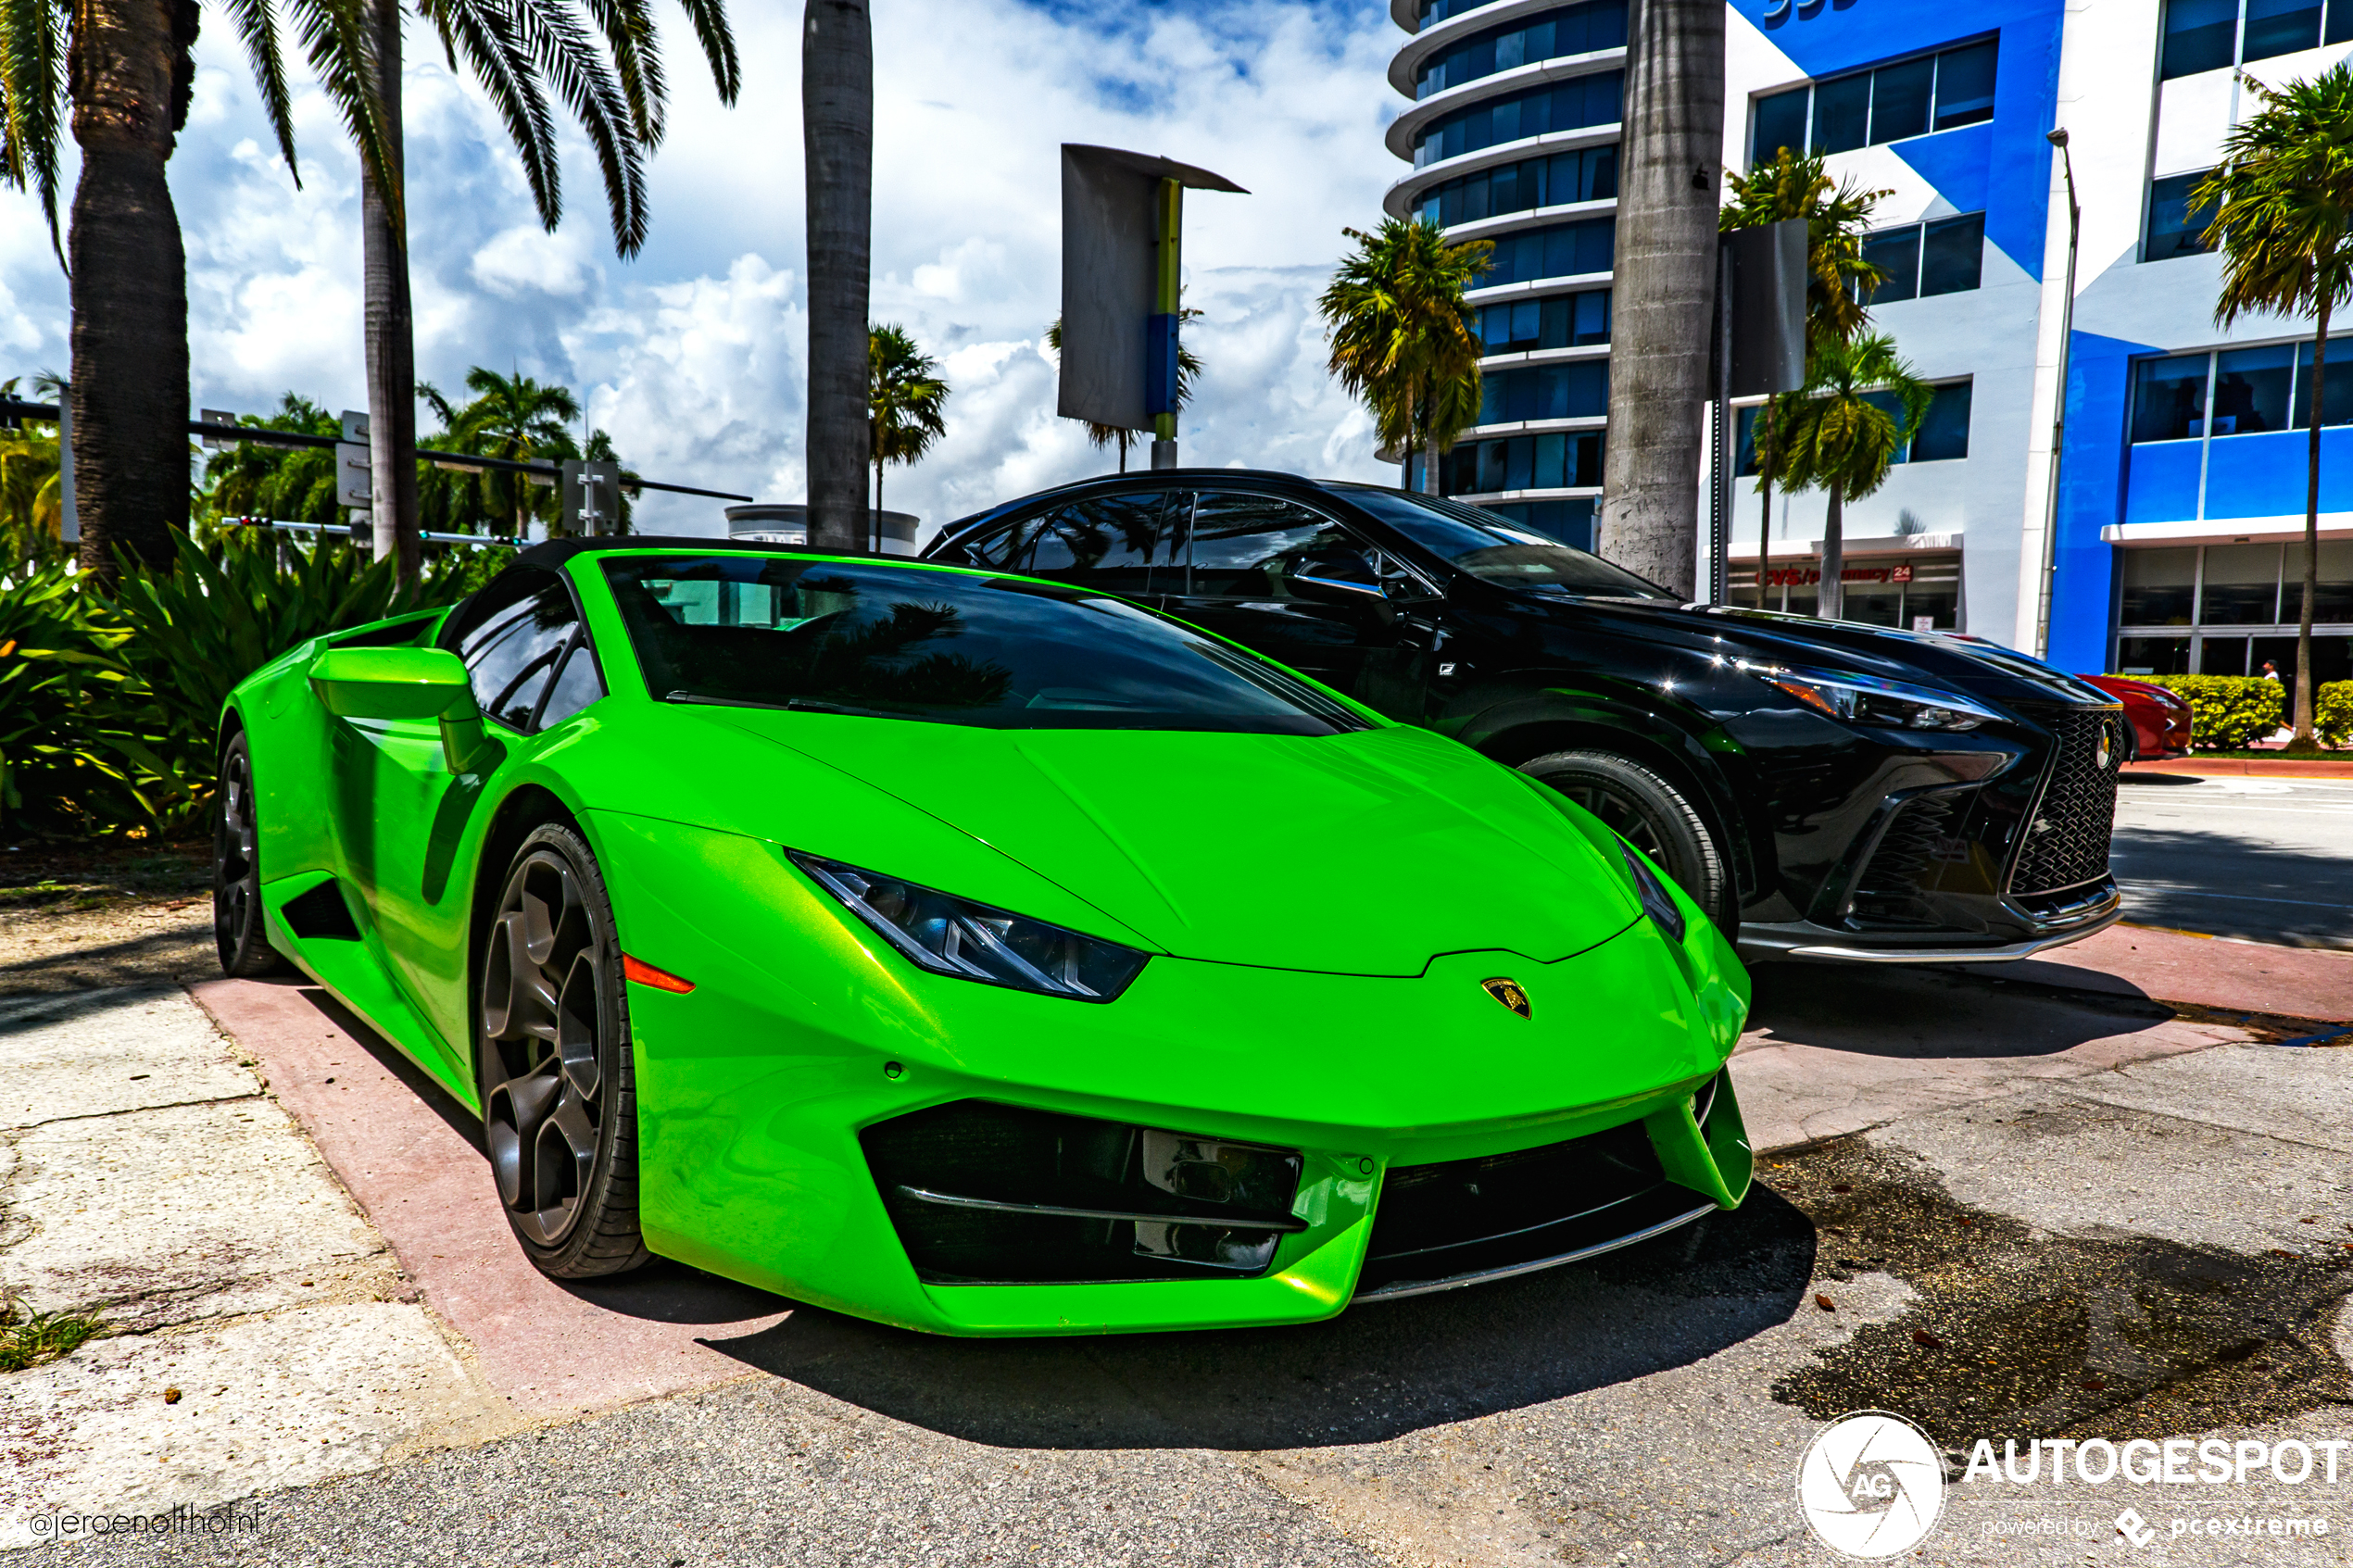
(57, 674)
(193, 633)
(2332, 712)
(2226, 711)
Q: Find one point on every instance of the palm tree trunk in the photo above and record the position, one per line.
(2303, 712)
(875, 528)
(1829, 600)
(1430, 465)
(391, 323)
(837, 128)
(130, 75)
(1666, 267)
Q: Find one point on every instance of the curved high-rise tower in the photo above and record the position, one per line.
(1513, 137)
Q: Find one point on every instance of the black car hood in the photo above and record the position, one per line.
(1980, 669)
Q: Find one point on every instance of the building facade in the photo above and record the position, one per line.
(2176, 511)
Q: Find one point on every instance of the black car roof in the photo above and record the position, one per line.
(1148, 479)
(555, 552)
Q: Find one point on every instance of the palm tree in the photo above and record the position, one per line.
(2282, 199)
(1402, 337)
(904, 399)
(285, 485)
(1837, 288)
(521, 53)
(129, 82)
(1188, 371)
(516, 418)
(1841, 433)
(1666, 284)
(837, 132)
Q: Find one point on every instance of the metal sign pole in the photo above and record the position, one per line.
(1720, 496)
(1166, 320)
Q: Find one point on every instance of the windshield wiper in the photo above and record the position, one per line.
(790, 705)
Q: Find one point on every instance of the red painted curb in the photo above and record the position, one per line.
(2249, 767)
(2178, 966)
(410, 1155)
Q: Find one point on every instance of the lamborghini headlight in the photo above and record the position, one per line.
(1662, 909)
(1868, 699)
(953, 935)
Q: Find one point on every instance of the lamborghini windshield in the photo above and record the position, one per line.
(901, 641)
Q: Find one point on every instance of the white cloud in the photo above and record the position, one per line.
(692, 354)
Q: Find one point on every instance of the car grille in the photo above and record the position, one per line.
(2066, 843)
(1468, 1220)
(987, 1194)
(1888, 891)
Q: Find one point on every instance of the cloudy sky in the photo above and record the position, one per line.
(692, 354)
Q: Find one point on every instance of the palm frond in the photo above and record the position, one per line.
(33, 96)
(561, 47)
(343, 56)
(709, 18)
(481, 30)
(628, 29)
(256, 25)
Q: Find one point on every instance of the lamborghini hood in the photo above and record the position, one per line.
(1368, 853)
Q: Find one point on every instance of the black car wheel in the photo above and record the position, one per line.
(558, 1093)
(238, 930)
(1651, 814)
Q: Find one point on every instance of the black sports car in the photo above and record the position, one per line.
(1830, 790)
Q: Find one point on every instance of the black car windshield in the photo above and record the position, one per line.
(1489, 546)
(952, 647)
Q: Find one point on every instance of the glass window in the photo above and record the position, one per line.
(1900, 98)
(1117, 544)
(2172, 230)
(907, 642)
(1842, 113)
(2280, 27)
(2334, 602)
(2251, 389)
(1952, 252)
(1561, 106)
(2153, 656)
(1965, 85)
(1600, 24)
(1944, 432)
(1561, 251)
(1895, 252)
(1780, 123)
(2339, 27)
(1591, 320)
(576, 685)
(2168, 398)
(2222, 656)
(1244, 546)
(2337, 395)
(1489, 547)
(510, 655)
(2158, 586)
(2242, 586)
(2199, 35)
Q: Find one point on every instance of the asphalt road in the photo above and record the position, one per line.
(2267, 859)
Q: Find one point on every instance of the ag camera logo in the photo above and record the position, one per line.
(1871, 1485)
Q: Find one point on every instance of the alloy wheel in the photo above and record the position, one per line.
(544, 1022)
(1621, 814)
(236, 849)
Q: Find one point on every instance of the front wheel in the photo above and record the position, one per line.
(1649, 813)
(558, 1091)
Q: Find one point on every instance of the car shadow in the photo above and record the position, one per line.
(395, 1060)
(1902, 1010)
(2159, 781)
(1377, 1371)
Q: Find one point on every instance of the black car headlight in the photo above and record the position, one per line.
(953, 935)
(1868, 699)
(1657, 903)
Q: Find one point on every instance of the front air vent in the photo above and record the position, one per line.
(320, 913)
(988, 1194)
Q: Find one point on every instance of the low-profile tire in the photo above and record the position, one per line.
(1651, 814)
(558, 1092)
(239, 930)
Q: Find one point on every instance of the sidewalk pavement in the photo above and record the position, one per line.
(2251, 766)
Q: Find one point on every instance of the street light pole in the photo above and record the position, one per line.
(2057, 138)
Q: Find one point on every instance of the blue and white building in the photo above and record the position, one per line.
(2179, 506)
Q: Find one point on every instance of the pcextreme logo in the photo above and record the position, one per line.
(1871, 1485)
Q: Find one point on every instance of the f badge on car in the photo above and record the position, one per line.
(1508, 993)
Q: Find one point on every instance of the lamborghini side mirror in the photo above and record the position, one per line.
(404, 683)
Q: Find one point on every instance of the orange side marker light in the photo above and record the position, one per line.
(647, 974)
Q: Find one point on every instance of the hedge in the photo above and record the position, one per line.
(2227, 712)
(2333, 715)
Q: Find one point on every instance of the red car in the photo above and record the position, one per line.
(2160, 720)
